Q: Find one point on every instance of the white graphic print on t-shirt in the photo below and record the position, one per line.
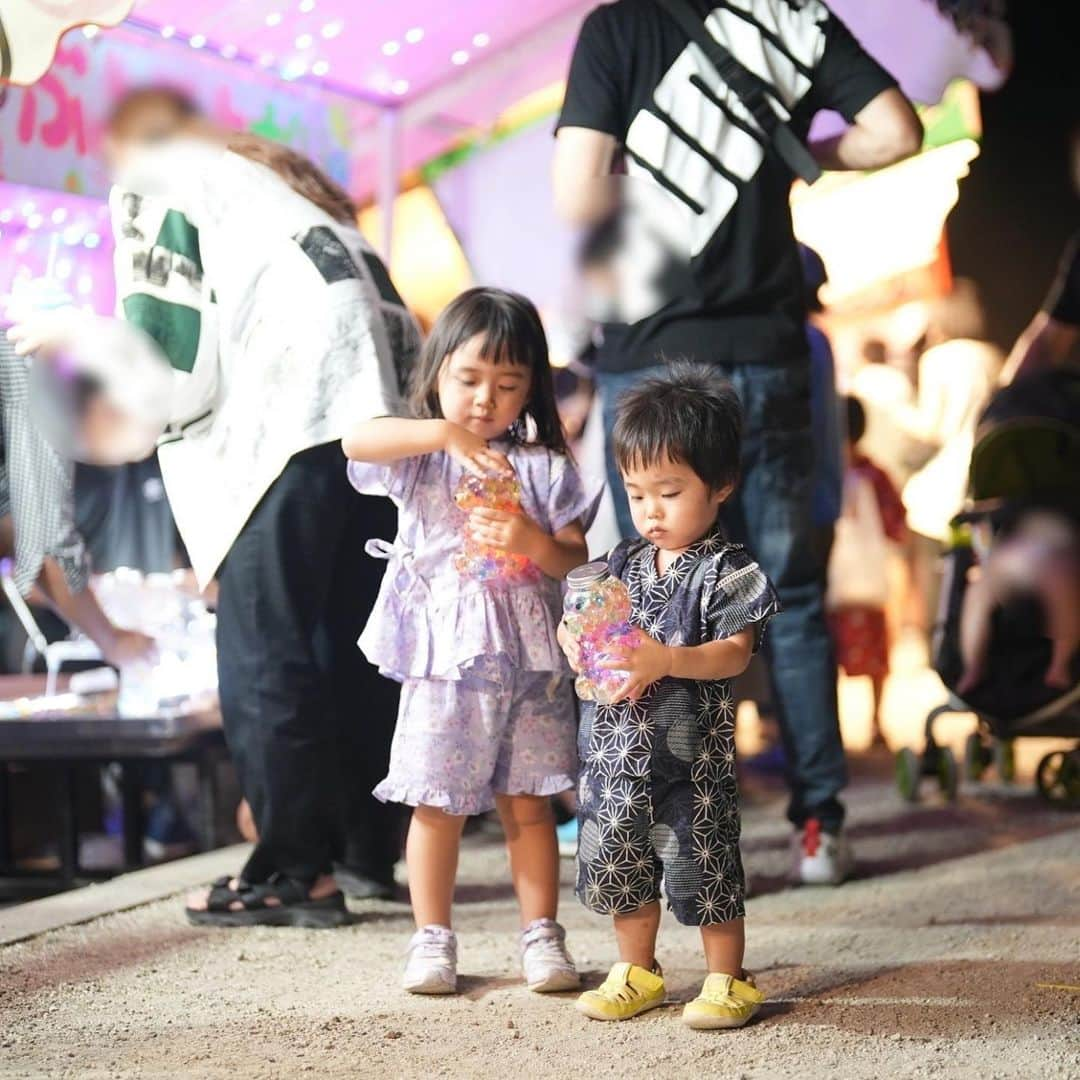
(698, 140)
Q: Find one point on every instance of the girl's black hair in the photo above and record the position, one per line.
(513, 334)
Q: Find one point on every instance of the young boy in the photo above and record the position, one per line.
(658, 799)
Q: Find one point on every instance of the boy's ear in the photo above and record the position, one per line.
(721, 495)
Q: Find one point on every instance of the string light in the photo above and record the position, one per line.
(34, 221)
(266, 59)
(415, 35)
(293, 69)
(273, 18)
(481, 40)
(91, 240)
(59, 215)
(391, 48)
(400, 86)
(307, 5)
(91, 31)
(197, 41)
(304, 41)
(228, 51)
(332, 29)
(460, 57)
(320, 67)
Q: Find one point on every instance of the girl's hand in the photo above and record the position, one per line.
(645, 662)
(568, 644)
(515, 533)
(473, 453)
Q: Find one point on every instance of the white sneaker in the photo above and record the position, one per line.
(547, 966)
(432, 964)
(820, 858)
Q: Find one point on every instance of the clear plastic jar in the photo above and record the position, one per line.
(597, 614)
(475, 560)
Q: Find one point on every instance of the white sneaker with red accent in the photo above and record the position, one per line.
(819, 857)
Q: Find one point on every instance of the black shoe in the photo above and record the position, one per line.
(359, 886)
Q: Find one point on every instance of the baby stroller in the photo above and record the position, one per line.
(1026, 456)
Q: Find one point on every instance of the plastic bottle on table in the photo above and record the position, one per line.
(597, 614)
(476, 560)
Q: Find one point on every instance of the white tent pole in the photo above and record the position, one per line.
(389, 171)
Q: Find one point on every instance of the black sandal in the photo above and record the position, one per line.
(292, 907)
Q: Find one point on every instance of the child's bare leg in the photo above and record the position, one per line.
(636, 934)
(529, 825)
(724, 944)
(1059, 590)
(978, 606)
(877, 683)
(431, 855)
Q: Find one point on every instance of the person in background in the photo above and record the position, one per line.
(885, 392)
(280, 328)
(957, 374)
(858, 579)
(1049, 339)
(640, 94)
(37, 523)
(826, 424)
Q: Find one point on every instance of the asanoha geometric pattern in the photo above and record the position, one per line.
(657, 795)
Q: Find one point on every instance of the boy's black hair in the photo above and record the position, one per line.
(856, 419)
(513, 334)
(689, 414)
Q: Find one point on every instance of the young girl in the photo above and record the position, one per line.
(487, 711)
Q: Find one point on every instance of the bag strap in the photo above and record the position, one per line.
(748, 88)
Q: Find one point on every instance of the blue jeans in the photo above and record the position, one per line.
(771, 513)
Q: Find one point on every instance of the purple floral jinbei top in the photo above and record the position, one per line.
(429, 622)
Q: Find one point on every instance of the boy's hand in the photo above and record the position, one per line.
(515, 533)
(569, 646)
(646, 661)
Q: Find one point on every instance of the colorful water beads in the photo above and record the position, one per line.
(597, 614)
(475, 560)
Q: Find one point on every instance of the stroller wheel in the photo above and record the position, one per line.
(947, 773)
(1005, 760)
(974, 757)
(908, 773)
(1058, 778)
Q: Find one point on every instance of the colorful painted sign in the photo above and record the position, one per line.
(51, 132)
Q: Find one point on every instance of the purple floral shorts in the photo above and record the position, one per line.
(459, 742)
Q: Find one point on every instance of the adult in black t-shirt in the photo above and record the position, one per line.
(1049, 338)
(639, 90)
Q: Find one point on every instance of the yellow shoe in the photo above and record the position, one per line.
(627, 991)
(724, 1002)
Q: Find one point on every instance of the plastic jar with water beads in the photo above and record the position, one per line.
(597, 614)
(475, 560)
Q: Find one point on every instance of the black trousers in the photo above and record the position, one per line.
(308, 721)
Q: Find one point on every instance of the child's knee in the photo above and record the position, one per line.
(525, 811)
(436, 818)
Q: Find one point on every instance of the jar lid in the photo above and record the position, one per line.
(581, 577)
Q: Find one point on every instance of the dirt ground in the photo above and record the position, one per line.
(949, 956)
